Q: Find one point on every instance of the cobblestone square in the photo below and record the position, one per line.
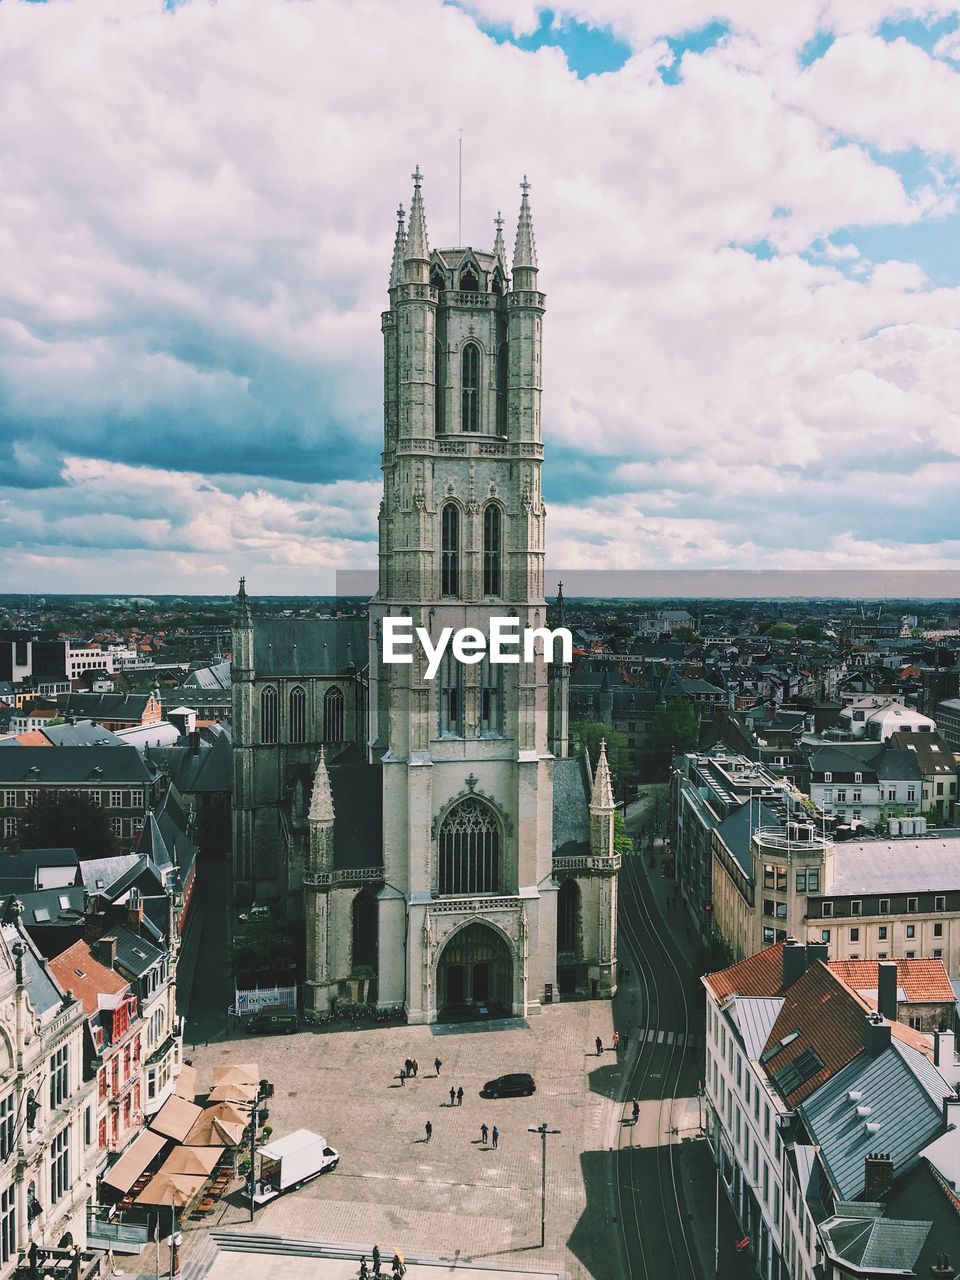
(451, 1197)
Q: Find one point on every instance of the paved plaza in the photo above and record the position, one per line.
(452, 1198)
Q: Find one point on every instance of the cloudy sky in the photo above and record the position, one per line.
(748, 232)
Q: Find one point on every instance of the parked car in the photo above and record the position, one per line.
(274, 1022)
(517, 1085)
(256, 911)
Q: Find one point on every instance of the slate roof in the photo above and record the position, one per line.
(100, 874)
(42, 989)
(53, 906)
(358, 821)
(754, 1018)
(872, 1242)
(571, 811)
(933, 755)
(213, 677)
(896, 866)
(308, 646)
(31, 765)
(736, 830)
(875, 760)
(84, 733)
(104, 706)
(905, 1095)
(207, 769)
(135, 955)
(25, 865)
(922, 981)
(922, 1195)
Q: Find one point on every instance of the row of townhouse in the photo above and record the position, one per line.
(48, 1136)
(820, 1110)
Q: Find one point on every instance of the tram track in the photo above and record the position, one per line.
(655, 1238)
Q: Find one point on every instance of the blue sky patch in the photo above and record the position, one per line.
(815, 48)
(697, 41)
(589, 51)
(920, 33)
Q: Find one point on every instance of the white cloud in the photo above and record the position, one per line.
(198, 210)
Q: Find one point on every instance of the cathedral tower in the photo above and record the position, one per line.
(467, 913)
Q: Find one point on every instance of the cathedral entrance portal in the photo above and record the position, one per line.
(475, 974)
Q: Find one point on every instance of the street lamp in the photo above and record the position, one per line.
(543, 1131)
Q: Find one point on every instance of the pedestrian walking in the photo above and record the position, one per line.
(403, 1076)
(496, 1137)
(408, 1066)
(363, 1268)
(484, 1134)
(429, 1130)
(453, 1096)
(437, 1064)
(616, 1041)
(416, 1065)
(636, 1111)
(599, 1044)
(399, 1266)
(376, 1259)
(625, 1041)
(460, 1096)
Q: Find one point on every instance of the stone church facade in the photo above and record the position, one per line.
(466, 863)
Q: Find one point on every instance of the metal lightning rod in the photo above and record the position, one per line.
(460, 191)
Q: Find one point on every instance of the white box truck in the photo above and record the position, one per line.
(290, 1162)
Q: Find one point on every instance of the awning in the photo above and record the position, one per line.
(175, 1118)
(214, 1130)
(244, 1073)
(171, 1188)
(186, 1086)
(199, 1161)
(144, 1148)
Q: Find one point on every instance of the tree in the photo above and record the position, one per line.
(261, 942)
(61, 821)
(713, 955)
(673, 730)
(810, 630)
(589, 734)
(781, 630)
(622, 843)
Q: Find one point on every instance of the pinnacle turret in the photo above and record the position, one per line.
(399, 248)
(602, 795)
(417, 246)
(241, 615)
(499, 248)
(321, 798)
(525, 250)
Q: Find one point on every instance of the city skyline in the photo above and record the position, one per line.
(747, 233)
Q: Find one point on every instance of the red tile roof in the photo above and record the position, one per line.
(76, 970)
(923, 981)
(829, 1017)
(758, 975)
(33, 738)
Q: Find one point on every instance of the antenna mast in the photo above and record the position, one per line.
(460, 190)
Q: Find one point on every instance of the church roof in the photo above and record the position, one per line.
(308, 646)
(358, 804)
(571, 816)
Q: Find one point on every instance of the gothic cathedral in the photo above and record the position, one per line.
(466, 866)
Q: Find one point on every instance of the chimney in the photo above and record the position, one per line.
(107, 951)
(877, 1176)
(944, 1049)
(794, 962)
(817, 951)
(194, 741)
(941, 1268)
(887, 1004)
(876, 1035)
(135, 915)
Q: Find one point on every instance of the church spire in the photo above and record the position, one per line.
(602, 795)
(561, 606)
(399, 248)
(417, 253)
(525, 250)
(499, 248)
(241, 615)
(321, 798)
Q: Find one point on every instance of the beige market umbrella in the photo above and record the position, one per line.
(186, 1085)
(217, 1126)
(197, 1161)
(242, 1073)
(177, 1189)
(236, 1092)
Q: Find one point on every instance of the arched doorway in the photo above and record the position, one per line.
(475, 973)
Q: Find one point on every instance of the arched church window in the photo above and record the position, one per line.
(450, 697)
(438, 278)
(469, 282)
(498, 282)
(439, 384)
(333, 715)
(491, 700)
(364, 930)
(470, 387)
(450, 550)
(469, 849)
(568, 918)
(492, 550)
(268, 715)
(298, 715)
